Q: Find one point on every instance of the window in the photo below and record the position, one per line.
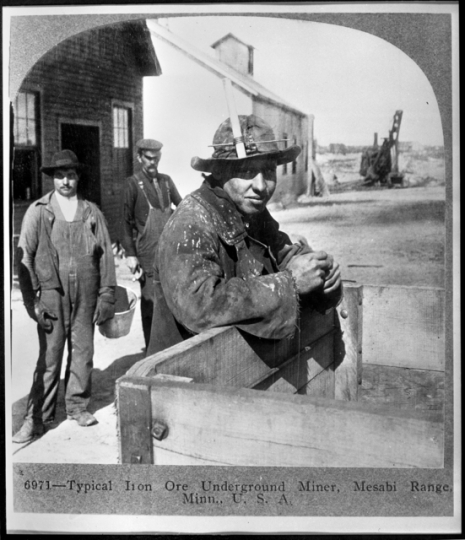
(122, 144)
(121, 127)
(285, 146)
(250, 66)
(294, 163)
(25, 127)
(26, 135)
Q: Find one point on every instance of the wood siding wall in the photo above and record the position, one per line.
(78, 81)
(234, 54)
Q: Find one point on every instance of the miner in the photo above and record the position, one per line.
(67, 278)
(222, 259)
(147, 203)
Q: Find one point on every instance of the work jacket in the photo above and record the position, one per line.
(213, 269)
(38, 256)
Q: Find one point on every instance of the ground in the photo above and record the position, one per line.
(379, 236)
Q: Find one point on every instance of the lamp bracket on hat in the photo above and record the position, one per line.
(262, 142)
(234, 118)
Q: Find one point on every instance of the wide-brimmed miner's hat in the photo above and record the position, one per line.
(259, 141)
(65, 159)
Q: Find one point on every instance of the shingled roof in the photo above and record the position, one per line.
(244, 82)
(139, 36)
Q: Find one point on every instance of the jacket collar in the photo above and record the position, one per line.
(46, 202)
(228, 221)
(142, 175)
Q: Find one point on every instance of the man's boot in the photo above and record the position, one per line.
(31, 429)
(83, 418)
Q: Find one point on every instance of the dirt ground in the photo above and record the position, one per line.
(379, 236)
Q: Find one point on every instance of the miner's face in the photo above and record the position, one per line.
(251, 186)
(149, 159)
(66, 182)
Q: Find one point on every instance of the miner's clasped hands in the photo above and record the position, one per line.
(315, 271)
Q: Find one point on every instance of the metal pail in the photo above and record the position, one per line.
(125, 306)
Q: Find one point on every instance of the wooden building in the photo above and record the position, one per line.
(85, 94)
(200, 102)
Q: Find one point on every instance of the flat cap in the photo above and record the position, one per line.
(149, 144)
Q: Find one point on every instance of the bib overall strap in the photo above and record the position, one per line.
(141, 185)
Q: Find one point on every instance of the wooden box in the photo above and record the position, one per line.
(362, 386)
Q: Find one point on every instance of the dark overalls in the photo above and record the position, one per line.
(146, 245)
(74, 305)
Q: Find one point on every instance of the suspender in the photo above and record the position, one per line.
(141, 185)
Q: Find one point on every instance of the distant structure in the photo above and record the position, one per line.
(337, 148)
(409, 146)
(235, 53)
(380, 164)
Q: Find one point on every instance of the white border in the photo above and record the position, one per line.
(179, 524)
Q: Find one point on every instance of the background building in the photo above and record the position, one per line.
(85, 94)
(189, 103)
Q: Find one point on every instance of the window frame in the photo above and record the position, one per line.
(37, 126)
(294, 163)
(35, 150)
(285, 136)
(129, 107)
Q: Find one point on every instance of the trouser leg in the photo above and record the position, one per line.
(146, 305)
(44, 391)
(78, 378)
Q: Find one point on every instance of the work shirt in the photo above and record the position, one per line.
(38, 254)
(136, 208)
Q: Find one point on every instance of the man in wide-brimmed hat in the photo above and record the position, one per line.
(67, 278)
(147, 201)
(221, 258)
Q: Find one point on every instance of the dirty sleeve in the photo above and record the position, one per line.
(107, 260)
(27, 249)
(192, 266)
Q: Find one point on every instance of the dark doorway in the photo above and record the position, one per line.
(25, 174)
(84, 141)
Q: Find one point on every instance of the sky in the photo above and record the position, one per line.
(351, 81)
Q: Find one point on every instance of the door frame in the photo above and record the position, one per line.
(90, 123)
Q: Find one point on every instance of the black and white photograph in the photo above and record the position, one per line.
(232, 268)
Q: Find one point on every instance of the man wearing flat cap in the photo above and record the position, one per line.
(67, 278)
(222, 259)
(146, 208)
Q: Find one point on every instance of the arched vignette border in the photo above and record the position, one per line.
(425, 38)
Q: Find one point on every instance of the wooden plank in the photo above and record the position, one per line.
(296, 373)
(404, 327)
(348, 346)
(217, 356)
(311, 326)
(321, 383)
(228, 357)
(403, 387)
(134, 422)
(223, 426)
